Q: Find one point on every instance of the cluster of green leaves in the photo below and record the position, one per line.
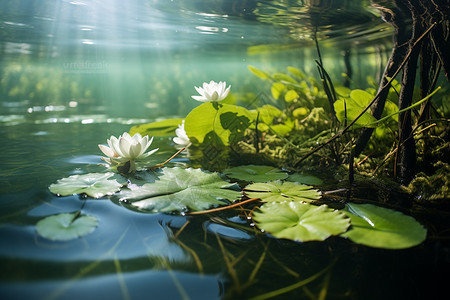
(298, 116)
(289, 208)
(295, 114)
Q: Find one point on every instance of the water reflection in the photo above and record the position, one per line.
(148, 284)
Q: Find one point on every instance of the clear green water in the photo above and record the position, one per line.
(75, 72)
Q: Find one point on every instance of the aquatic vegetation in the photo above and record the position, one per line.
(219, 124)
(178, 190)
(300, 221)
(95, 185)
(288, 208)
(279, 191)
(160, 128)
(68, 226)
(127, 149)
(380, 227)
(212, 91)
(253, 173)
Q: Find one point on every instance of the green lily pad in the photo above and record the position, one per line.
(95, 185)
(305, 179)
(180, 189)
(380, 227)
(160, 128)
(278, 191)
(300, 221)
(255, 173)
(64, 227)
(225, 120)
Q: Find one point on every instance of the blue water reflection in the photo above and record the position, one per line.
(155, 284)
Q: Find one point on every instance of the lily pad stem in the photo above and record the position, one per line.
(172, 157)
(222, 208)
(75, 216)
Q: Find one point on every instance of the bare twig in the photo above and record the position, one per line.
(387, 85)
(222, 208)
(172, 157)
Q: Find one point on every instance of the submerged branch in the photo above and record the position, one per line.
(386, 86)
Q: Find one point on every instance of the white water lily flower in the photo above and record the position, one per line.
(127, 148)
(212, 91)
(181, 139)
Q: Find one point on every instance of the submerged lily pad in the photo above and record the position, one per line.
(64, 227)
(180, 189)
(95, 185)
(255, 173)
(300, 221)
(278, 191)
(380, 227)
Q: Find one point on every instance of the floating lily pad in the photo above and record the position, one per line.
(305, 179)
(180, 189)
(255, 173)
(95, 185)
(300, 221)
(64, 227)
(380, 227)
(278, 191)
(160, 128)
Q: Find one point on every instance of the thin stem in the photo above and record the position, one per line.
(294, 286)
(172, 157)
(223, 207)
(122, 283)
(194, 255)
(387, 85)
(181, 229)
(229, 264)
(258, 264)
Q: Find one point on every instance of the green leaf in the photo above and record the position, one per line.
(305, 179)
(160, 128)
(296, 72)
(222, 119)
(64, 227)
(267, 113)
(391, 109)
(300, 112)
(342, 91)
(259, 73)
(284, 77)
(255, 173)
(235, 123)
(180, 189)
(300, 221)
(278, 191)
(283, 129)
(276, 89)
(291, 95)
(354, 105)
(95, 185)
(380, 227)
